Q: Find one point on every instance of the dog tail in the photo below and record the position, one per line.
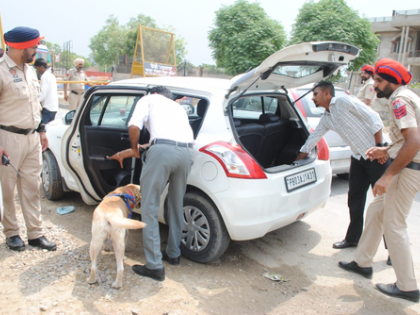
(124, 223)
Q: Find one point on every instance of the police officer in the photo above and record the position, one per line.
(395, 191)
(75, 97)
(366, 93)
(22, 138)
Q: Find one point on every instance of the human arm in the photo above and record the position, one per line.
(134, 134)
(120, 156)
(405, 155)
(44, 140)
(44, 89)
(313, 139)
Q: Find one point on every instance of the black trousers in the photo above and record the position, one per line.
(363, 173)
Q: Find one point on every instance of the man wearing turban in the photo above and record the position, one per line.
(366, 93)
(22, 138)
(395, 191)
(75, 97)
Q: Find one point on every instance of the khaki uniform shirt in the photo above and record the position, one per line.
(74, 75)
(404, 110)
(367, 91)
(19, 91)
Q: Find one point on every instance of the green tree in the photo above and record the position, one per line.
(243, 36)
(334, 20)
(115, 40)
(108, 44)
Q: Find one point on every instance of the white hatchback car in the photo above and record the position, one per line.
(243, 183)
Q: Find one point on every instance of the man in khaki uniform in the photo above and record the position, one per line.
(77, 90)
(395, 191)
(22, 138)
(367, 93)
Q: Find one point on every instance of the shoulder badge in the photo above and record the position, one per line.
(399, 109)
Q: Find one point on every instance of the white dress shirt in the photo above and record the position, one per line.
(355, 122)
(164, 118)
(48, 95)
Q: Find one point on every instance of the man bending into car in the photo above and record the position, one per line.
(361, 128)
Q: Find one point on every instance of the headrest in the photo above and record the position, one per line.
(201, 108)
(392, 71)
(266, 118)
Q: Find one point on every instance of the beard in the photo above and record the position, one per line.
(28, 58)
(385, 93)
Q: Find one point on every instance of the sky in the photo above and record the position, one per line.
(78, 20)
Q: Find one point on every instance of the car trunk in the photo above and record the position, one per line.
(269, 129)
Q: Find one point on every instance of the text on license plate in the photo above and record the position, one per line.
(300, 179)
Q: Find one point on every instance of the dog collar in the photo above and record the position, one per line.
(126, 198)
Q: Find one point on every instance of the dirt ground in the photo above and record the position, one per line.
(41, 282)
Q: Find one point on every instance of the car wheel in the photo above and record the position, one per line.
(204, 235)
(51, 177)
(343, 176)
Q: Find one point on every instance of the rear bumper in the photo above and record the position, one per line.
(256, 207)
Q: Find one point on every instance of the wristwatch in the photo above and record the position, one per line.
(380, 144)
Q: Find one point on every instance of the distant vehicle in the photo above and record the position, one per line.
(340, 152)
(244, 182)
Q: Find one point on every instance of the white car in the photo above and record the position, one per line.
(243, 183)
(340, 152)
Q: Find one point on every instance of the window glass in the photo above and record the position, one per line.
(189, 104)
(117, 110)
(98, 104)
(296, 71)
(252, 107)
(310, 108)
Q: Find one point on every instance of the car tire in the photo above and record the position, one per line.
(343, 176)
(204, 235)
(51, 177)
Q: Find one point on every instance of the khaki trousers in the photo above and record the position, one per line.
(25, 154)
(75, 100)
(387, 215)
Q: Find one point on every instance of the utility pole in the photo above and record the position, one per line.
(185, 65)
(1, 35)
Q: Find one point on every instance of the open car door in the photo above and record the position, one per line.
(99, 129)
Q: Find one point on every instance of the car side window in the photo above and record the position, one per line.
(111, 111)
(252, 107)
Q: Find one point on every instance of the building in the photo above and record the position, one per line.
(400, 38)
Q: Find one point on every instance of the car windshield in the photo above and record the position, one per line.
(310, 108)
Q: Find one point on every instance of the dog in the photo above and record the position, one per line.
(111, 219)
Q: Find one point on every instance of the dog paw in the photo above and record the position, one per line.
(116, 285)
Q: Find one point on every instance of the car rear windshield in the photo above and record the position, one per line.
(310, 108)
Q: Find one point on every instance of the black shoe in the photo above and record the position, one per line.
(388, 261)
(15, 243)
(392, 290)
(344, 244)
(171, 261)
(43, 243)
(157, 274)
(354, 267)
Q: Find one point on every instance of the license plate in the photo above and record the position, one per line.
(301, 179)
(340, 163)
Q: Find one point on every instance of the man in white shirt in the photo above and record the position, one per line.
(361, 128)
(48, 95)
(168, 159)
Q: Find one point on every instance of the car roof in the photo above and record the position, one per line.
(189, 83)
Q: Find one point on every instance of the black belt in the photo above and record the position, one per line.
(171, 142)
(412, 165)
(74, 92)
(18, 130)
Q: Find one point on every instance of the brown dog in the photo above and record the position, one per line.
(110, 221)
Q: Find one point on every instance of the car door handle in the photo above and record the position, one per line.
(124, 136)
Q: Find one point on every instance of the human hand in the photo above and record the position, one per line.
(3, 151)
(44, 140)
(381, 186)
(383, 160)
(377, 153)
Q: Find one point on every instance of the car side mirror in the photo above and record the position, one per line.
(68, 118)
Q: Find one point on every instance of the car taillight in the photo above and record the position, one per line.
(235, 161)
(323, 150)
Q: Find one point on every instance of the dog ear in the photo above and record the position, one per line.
(138, 201)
